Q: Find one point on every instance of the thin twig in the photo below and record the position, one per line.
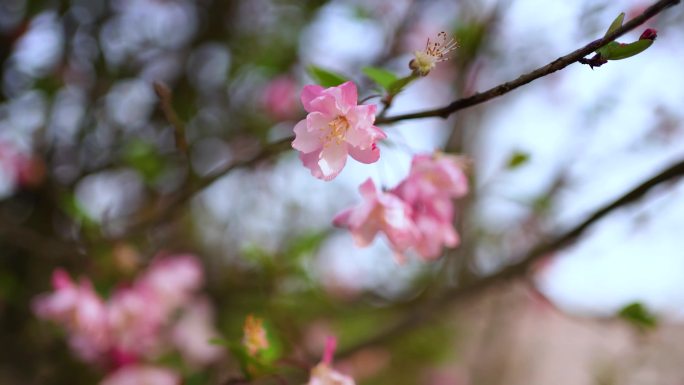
(519, 268)
(166, 104)
(168, 208)
(556, 65)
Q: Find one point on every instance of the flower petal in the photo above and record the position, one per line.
(370, 155)
(368, 189)
(310, 161)
(349, 96)
(332, 160)
(306, 140)
(325, 104)
(309, 93)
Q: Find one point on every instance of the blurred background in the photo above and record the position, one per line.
(91, 180)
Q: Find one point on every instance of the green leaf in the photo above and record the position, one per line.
(398, 85)
(638, 315)
(381, 76)
(618, 51)
(325, 77)
(73, 207)
(144, 158)
(517, 159)
(617, 23)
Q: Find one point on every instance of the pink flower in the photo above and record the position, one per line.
(432, 183)
(142, 375)
(135, 318)
(140, 320)
(431, 176)
(434, 221)
(383, 212)
(334, 128)
(172, 280)
(324, 374)
(193, 332)
(279, 98)
(417, 214)
(80, 310)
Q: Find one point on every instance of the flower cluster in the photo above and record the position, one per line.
(418, 213)
(138, 323)
(334, 128)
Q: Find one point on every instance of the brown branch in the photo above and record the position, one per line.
(169, 207)
(166, 104)
(519, 268)
(556, 65)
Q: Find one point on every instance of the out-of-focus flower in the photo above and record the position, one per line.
(437, 175)
(139, 321)
(435, 52)
(142, 375)
(418, 213)
(193, 332)
(279, 98)
(324, 374)
(172, 280)
(334, 128)
(254, 338)
(383, 212)
(135, 319)
(432, 183)
(80, 310)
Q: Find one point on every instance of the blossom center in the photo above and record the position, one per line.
(337, 130)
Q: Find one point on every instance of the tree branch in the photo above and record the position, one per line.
(166, 104)
(519, 268)
(556, 65)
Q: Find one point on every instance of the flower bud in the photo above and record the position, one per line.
(649, 34)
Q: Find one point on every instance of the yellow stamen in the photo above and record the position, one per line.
(338, 129)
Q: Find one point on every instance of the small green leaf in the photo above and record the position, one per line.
(618, 51)
(324, 77)
(144, 158)
(638, 315)
(517, 159)
(381, 76)
(617, 23)
(398, 85)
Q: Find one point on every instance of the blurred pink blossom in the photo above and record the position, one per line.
(172, 280)
(80, 310)
(380, 211)
(437, 175)
(323, 373)
(432, 183)
(418, 213)
(142, 375)
(135, 319)
(279, 98)
(193, 331)
(334, 128)
(139, 321)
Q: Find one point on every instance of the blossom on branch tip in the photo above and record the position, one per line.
(334, 128)
(435, 52)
